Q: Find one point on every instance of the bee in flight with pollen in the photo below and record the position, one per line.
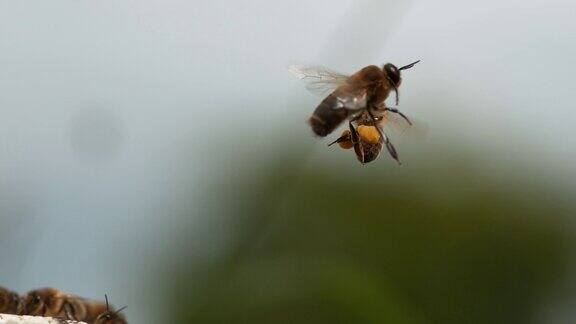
(360, 99)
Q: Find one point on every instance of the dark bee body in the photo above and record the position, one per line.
(359, 96)
(50, 302)
(10, 302)
(325, 119)
(366, 88)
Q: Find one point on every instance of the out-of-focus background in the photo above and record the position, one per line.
(157, 151)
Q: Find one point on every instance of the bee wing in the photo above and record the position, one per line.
(350, 98)
(397, 124)
(74, 298)
(319, 80)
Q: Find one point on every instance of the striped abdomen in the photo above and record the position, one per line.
(327, 116)
(369, 151)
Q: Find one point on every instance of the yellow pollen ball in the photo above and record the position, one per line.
(368, 134)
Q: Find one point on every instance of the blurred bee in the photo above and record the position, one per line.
(364, 136)
(111, 316)
(360, 95)
(51, 302)
(365, 139)
(10, 302)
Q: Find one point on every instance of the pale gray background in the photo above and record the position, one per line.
(105, 103)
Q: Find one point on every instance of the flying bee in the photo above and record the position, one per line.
(10, 302)
(361, 95)
(51, 302)
(110, 316)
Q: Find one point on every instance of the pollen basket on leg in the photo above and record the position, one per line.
(369, 134)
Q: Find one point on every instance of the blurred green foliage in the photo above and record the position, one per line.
(434, 242)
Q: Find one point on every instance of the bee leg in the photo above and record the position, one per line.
(343, 138)
(396, 111)
(69, 312)
(357, 143)
(353, 133)
(391, 149)
(395, 89)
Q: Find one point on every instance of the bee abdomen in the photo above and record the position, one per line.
(371, 151)
(327, 116)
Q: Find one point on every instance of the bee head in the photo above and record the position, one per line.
(110, 316)
(33, 304)
(393, 75)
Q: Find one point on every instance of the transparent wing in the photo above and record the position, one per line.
(395, 123)
(319, 80)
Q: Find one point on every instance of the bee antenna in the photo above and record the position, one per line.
(336, 141)
(405, 67)
(107, 305)
(121, 309)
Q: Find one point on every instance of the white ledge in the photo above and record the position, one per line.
(16, 319)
